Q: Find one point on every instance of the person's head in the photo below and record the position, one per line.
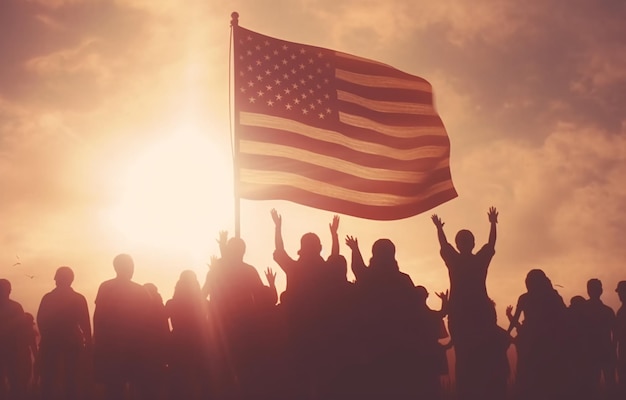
(64, 277)
(594, 288)
(235, 248)
(5, 289)
(310, 246)
(577, 302)
(384, 255)
(153, 291)
(621, 291)
(421, 293)
(537, 281)
(124, 266)
(464, 241)
(187, 284)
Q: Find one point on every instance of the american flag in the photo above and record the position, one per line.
(335, 131)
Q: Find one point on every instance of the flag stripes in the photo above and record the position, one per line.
(336, 132)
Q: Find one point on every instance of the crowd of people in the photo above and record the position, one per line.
(324, 338)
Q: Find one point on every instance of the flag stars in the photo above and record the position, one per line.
(268, 87)
(249, 38)
(321, 115)
(287, 91)
(267, 57)
(259, 62)
(302, 66)
(305, 111)
(257, 47)
(277, 82)
(320, 55)
(302, 82)
(303, 95)
(327, 96)
(288, 106)
(293, 57)
(312, 106)
(242, 90)
(260, 93)
(250, 68)
(328, 111)
(250, 84)
(259, 78)
(267, 43)
(319, 101)
(276, 67)
(295, 86)
(252, 100)
(285, 47)
(275, 52)
(270, 103)
(268, 72)
(311, 61)
(249, 52)
(296, 101)
(285, 76)
(279, 97)
(284, 61)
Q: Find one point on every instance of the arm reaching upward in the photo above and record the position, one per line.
(445, 297)
(334, 227)
(440, 233)
(358, 265)
(222, 241)
(278, 235)
(513, 319)
(493, 220)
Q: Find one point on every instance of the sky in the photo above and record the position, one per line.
(115, 136)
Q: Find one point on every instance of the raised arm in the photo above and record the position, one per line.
(358, 265)
(445, 297)
(222, 241)
(334, 228)
(270, 275)
(440, 233)
(493, 220)
(278, 234)
(513, 319)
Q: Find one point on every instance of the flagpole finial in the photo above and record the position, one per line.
(234, 19)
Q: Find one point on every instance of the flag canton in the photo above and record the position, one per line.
(284, 79)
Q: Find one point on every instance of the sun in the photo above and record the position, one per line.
(175, 196)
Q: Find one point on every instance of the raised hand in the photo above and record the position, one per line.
(276, 217)
(352, 243)
(270, 276)
(212, 263)
(493, 215)
(334, 226)
(437, 221)
(444, 296)
(222, 239)
(509, 312)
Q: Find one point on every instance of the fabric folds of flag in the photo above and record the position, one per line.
(336, 132)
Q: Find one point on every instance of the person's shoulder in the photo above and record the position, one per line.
(15, 306)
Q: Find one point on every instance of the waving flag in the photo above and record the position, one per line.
(336, 132)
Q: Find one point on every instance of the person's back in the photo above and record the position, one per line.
(63, 319)
(11, 322)
(119, 324)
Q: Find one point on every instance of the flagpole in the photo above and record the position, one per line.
(234, 24)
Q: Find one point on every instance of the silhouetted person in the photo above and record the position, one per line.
(11, 323)
(431, 356)
(158, 344)
(305, 306)
(120, 325)
(471, 313)
(620, 338)
(541, 371)
(391, 325)
(29, 342)
(601, 320)
(189, 361)
(580, 368)
(65, 327)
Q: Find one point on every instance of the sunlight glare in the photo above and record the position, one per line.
(175, 196)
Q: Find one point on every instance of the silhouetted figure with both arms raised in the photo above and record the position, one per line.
(305, 307)
(65, 327)
(471, 313)
(121, 322)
